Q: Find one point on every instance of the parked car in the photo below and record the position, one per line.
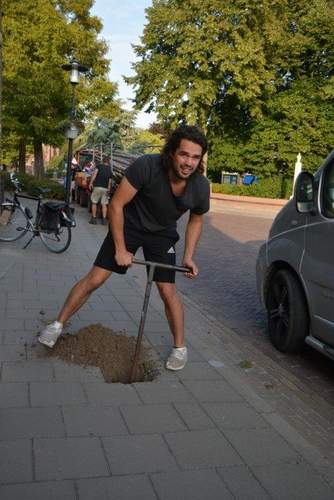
(295, 266)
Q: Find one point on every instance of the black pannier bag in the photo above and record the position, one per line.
(67, 217)
(49, 217)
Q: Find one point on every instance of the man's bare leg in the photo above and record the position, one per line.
(82, 291)
(76, 298)
(174, 311)
(104, 211)
(94, 209)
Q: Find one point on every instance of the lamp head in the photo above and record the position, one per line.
(75, 69)
(72, 131)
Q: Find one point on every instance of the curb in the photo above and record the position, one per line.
(248, 199)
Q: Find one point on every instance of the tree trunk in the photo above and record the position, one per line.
(38, 160)
(22, 156)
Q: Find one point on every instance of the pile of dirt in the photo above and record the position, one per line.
(99, 346)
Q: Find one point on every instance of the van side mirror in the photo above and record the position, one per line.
(305, 193)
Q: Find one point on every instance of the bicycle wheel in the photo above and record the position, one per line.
(56, 241)
(13, 222)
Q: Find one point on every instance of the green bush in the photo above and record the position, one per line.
(270, 187)
(31, 183)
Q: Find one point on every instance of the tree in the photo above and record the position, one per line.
(145, 142)
(39, 36)
(256, 76)
(117, 131)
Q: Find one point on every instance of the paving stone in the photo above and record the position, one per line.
(119, 315)
(12, 324)
(57, 394)
(34, 325)
(13, 394)
(242, 483)
(138, 454)
(93, 421)
(20, 423)
(194, 416)
(235, 416)
(103, 317)
(23, 314)
(105, 305)
(190, 485)
(152, 316)
(150, 419)
(212, 390)
(111, 394)
(68, 458)
(162, 338)
(201, 449)
(27, 371)
(19, 337)
(12, 353)
(162, 392)
(63, 490)
(199, 371)
(15, 462)
(293, 481)
(116, 488)
(65, 372)
(261, 446)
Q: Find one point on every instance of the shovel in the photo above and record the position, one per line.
(151, 266)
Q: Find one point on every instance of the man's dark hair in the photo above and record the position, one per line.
(190, 133)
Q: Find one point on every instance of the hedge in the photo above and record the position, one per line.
(273, 187)
(30, 183)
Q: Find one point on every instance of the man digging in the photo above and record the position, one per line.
(155, 192)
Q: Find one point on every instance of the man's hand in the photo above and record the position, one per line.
(192, 266)
(124, 258)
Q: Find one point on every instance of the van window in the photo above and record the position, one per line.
(328, 192)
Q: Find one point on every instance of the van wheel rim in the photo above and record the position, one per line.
(279, 310)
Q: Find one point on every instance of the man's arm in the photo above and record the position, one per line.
(193, 233)
(123, 195)
(92, 179)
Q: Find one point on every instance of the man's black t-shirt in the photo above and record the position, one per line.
(103, 175)
(155, 208)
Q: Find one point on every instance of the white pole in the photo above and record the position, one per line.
(298, 169)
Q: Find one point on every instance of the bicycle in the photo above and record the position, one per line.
(52, 223)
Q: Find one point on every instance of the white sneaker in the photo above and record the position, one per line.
(50, 334)
(177, 358)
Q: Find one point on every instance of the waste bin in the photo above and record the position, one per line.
(249, 179)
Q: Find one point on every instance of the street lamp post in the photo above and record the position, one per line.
(72, 131)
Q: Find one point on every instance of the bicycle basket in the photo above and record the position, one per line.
(49, 217)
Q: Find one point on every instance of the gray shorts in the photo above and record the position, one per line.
(100, 194)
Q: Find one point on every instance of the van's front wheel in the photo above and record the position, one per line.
(288, 320)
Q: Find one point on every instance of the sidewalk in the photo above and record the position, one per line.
(250, 206)
(202, 433)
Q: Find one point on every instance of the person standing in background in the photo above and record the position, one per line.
(100, 185)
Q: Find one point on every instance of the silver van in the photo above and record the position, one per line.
(295, 266)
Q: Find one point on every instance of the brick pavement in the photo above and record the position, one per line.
(201, 433)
